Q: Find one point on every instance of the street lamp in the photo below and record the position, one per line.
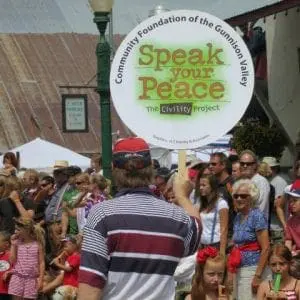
(157, 10)
(102, 9)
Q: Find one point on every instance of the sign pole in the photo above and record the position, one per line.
(182, 163)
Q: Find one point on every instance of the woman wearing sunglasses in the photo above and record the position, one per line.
(248, 258)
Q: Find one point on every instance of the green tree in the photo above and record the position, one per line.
(262, 139)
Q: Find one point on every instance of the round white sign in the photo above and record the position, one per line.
(182, 79)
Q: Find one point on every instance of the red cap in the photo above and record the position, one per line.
(133, 148)
(132, 144)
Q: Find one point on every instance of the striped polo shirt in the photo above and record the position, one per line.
(132, 245)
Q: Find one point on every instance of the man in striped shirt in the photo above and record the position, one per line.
(133, 243)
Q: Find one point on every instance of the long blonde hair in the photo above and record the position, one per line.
(35, 230)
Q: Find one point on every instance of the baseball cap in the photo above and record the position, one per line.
(271, 161)
(70, 238)
(294, 189)
(128, 149)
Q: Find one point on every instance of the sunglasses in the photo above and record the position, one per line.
(246, 164)
(242, 196)
(44, 184)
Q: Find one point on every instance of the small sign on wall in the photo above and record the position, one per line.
(75, 113)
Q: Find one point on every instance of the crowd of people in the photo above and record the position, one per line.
(228, 229)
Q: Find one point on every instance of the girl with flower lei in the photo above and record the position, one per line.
(209, 276)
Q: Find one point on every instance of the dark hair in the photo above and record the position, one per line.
(281, 251)
(233, 158)
(12, 157)
(199, 175)
(223, 160)
(222, 156)
(164, 173)
(155, 163)
(49, 179)
(210, 201)
(276, 169)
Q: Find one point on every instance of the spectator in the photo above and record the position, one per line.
(219, 166)
(236, 170)
(3, 178)
(136, 240)
(280, 260)
(156, 164)
(249, 165)
(14, 204)
(69, 263)
(277, 207)
(214, 214)
(30, 183)
(264, 170)
(162, 176)
(195, 195)
(251, 241)
(96, 164)
(77, 184)
(42, 198)
(96, 194)
(292, 230)
(296, 170)
(209, 276)
(10, 163)
(5, 264)
(53, 211)
(28, 257)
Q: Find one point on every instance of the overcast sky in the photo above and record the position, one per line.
(128, 13)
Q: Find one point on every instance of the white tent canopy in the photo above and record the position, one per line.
(41, 155)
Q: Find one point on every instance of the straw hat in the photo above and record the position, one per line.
(59, 164)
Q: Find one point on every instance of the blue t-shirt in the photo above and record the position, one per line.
(245, 233)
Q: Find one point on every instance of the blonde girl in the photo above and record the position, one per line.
(27, 256)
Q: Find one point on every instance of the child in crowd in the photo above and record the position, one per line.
(5, 265)
(27, 255)
(286, 287)
(209, 276)
(295, 267)
(292, 231)
(69, 262)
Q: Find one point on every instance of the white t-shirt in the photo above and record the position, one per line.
(279, 185)
(263, 202)
(207, 220)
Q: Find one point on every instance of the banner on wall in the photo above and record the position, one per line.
(182, 79)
